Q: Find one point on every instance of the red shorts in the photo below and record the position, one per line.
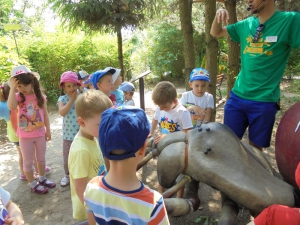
(278, 215)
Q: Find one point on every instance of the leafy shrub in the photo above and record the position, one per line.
(51, 54)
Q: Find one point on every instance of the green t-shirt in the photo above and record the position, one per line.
(263, 62)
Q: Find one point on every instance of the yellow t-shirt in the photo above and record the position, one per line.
(12, 136)
(85, 160)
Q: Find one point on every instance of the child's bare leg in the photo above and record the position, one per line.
(41, 168)
(29, 176)
(160, 189)
(20, 160)
(35, 162)
(180, 193)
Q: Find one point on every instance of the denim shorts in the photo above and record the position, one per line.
(258, 116)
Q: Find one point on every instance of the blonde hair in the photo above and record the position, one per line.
(90, 103)
(164, 92)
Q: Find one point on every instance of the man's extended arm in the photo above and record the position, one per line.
(217, 28)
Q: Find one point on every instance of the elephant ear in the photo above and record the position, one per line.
(170, 164)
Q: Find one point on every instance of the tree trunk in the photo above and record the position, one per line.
(281, 5)
(211, 50)
(294, 6)
(185, 11)
(120, 51)
(233, 49)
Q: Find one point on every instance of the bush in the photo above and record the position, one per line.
(51, 54)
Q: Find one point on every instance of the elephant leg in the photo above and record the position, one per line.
(229, 211)
(191, 190)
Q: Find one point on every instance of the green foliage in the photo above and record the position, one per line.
(295, 86)
(5, 6)
(9, 57)
(293, 64)
(103, 15)
(161, 49)
(51, 54)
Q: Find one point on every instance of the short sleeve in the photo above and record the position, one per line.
(77, 164)
(156, 114)
(61, 99)
(233, 29)
(183, 99)
(186, 120)
(5, 196)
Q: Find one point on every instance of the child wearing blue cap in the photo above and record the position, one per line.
(103, 80)
(119, 197)
(128, 89)
(117, 80)
(199, 102)
(85, 158)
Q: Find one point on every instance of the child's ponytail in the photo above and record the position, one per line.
(37, 91)
(4, 92)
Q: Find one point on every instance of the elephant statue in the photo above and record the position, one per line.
(212, 154)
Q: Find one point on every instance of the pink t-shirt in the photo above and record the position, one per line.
(31, 117)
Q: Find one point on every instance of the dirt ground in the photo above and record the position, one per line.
(55, 207)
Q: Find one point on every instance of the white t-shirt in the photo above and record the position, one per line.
(188, 99)
(176, 119)
(130, 102)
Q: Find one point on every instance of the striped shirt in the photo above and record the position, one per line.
(112, 206)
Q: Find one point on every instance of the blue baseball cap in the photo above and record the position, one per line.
(100, 73)
(123, 128)
(127, 87)
(199, 74)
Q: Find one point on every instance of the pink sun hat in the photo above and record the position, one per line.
(69, 76)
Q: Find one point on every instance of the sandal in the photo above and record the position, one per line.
(39, 189)
(23, 177)
(48, 183)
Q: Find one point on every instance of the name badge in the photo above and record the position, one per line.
(271, 39)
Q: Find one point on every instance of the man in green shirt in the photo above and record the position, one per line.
(266, 40)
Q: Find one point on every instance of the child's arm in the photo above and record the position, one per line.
(15, 214)
(63, 109)
(153, 127)
(207, 115)
(47, 123)
(14, 119)
(198, 110)
(186, 130)
(12, 101)
(80, 185)
(91, 219)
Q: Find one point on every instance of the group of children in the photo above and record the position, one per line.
(104, 186)
(82, 157)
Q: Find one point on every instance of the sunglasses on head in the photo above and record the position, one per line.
(257, 33)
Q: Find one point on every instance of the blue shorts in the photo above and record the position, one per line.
(259, 116)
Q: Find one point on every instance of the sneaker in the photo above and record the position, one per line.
(65, 181)
(48, 183)
(39, 189)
